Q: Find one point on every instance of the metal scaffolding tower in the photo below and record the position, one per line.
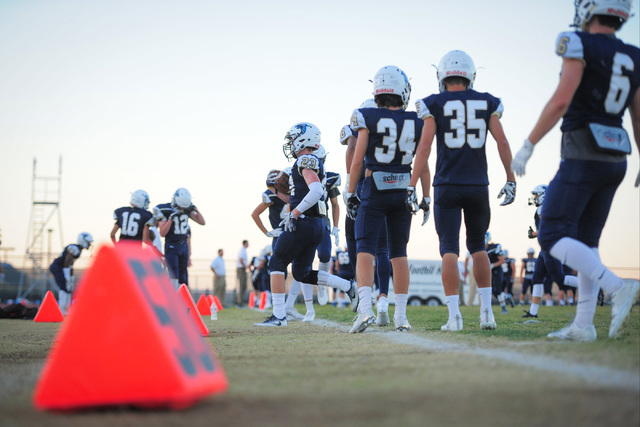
(45, 205)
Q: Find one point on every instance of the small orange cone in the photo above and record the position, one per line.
(204, 306)
(210, 299)
(192, 310)
(263, 300)
(217, 302)
(49, 310)
(252, 300)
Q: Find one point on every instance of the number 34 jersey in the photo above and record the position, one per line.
(131, 222)
(462, 121)
(393, 137)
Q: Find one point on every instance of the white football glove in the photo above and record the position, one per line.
(353, 203)
(519, 162)
(509, 193)
(346, 190)
(424, 205)
(288, 223)
(412, 200)
(157, 214)
(335, 232)
(276, 232)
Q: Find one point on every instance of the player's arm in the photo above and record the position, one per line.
(357, 163)
(499, 262)
(572, 70)
(522, 272)
(196, 216)
(114, 230)
(634, 112)
(497, 131)
(423, 152)
(256, 216)
(315, 192)
(335, 211)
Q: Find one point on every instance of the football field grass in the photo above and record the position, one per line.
(316, 374)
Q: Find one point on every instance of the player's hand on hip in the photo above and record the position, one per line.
(509, 193)
(519, 162)
(275, 232)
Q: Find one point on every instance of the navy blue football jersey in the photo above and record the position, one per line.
(131, 221)
(180, 228)
(529, 267)
(73, 249)
(300, 189)
(393, 137)
(344, 263)
(494, 251)
(610, 79)
(462, 121)
(276, 207)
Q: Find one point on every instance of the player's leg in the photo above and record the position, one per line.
(383, 273)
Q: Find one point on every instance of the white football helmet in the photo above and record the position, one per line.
(368, 103)
(299, 137)
(392, 80)
(181, 198)
(586, 9)
(537, 195)
(321, 153)
(456, 63)
(85, 240)
(268, 250)
(531, 251)
(487, 238)
(140, 199)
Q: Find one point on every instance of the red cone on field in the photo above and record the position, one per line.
(49, 310)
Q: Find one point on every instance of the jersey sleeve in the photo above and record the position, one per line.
(422, 110)
(345, 133)
(308, 161)
(569, 45)
(357, 120)
(266, 199)
(73, 250)
(499, 109)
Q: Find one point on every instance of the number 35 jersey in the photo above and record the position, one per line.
(462, 120)
(610, 79)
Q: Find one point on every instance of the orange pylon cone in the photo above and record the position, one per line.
(217, 302)
(204, 306)
(252, 300)
(183, 291)
(263, 301)
(49, 310)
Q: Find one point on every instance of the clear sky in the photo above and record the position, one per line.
(157, 95)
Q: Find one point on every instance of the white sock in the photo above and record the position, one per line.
(364, 292)
(453, 304)
(587, 301)
(332, 281)
(534, 308)
(485, 298)
(309, 305)
(324, 266)
(294, 290)
(278, 306)
(585, 260)
(548, 303)
(401, 305)
(307, 292)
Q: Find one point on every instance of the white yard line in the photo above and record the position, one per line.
(594, 374)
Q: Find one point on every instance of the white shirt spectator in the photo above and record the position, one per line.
(218, 266)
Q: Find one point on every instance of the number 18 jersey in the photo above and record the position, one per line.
(462, 121)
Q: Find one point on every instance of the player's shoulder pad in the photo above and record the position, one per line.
(345, 133)
(357, 120)
(569, 45)
(422, 110)
(74, 249)
(266, 197)
(308, 161)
